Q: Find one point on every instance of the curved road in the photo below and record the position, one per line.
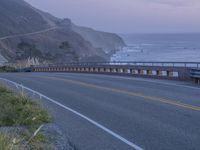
(151, 114)
(27, 34)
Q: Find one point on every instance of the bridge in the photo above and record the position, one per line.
(188, 71)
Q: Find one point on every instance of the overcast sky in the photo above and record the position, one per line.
(128, 16)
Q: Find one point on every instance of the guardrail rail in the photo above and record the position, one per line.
(163, 70)
(195, 75)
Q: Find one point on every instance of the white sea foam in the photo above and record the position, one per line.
(161, 48)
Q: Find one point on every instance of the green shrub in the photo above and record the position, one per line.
(16, 110)
(7, 69)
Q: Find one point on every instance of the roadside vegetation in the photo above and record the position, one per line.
(5, 143)
(7, 69)
(22, 119)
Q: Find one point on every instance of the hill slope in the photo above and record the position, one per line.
(66, 42)
(108, 41)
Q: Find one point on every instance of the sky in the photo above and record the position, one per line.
(128, 16)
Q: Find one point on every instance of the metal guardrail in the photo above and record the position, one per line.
(161, 70)
(195, 73)
(124, 63)
(19, 88)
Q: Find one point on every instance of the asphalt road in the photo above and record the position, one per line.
(28, 34)
(152, 114)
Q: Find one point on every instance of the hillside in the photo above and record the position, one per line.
(108, 41)
(28, 32)
(17, 17)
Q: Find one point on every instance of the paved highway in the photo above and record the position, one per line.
(119, 113)
(28, 34)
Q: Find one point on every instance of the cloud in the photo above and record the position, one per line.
(181, 3)
(128, 15)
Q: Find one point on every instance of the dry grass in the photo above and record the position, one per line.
(7, 143)
(17, 110)
(21, 111)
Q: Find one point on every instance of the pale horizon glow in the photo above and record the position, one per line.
(128, 16)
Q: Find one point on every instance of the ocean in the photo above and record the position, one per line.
(160, 47)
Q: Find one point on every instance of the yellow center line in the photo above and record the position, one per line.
(152, 98)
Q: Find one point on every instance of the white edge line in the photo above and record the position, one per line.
(80, 115)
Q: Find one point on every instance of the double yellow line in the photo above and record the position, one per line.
(152, 98)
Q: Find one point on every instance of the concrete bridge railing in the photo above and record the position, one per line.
(163, 70)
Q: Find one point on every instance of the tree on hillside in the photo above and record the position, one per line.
(65, 46)
(26, 50)
(68, 50)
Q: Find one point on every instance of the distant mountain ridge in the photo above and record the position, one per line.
(108, 41)
(67, 43)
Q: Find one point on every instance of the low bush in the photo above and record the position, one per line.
(17, 110)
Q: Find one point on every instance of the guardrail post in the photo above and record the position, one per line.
(108, 70)
(141, 72)
(133, 71)
(149, 72)
(118, 70)
(127, 71)
(114, 70)
(159, 73)
(101, 69)
(196, 81)
(169, 73)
